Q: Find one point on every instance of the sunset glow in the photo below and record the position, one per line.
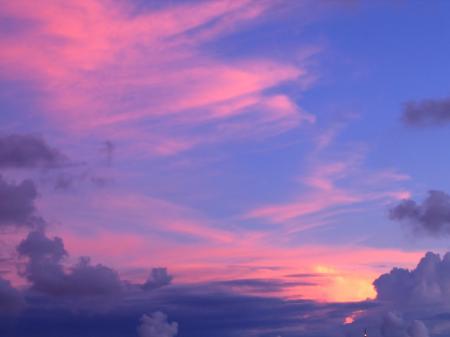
(224, 168)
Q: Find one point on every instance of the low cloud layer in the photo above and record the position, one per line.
(431, 112)
(432, 216)
(157, 325)
(394, 326)
(17, 202)
(10, 299)
(27, 151)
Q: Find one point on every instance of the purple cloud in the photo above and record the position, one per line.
(27, 151)
(432, 216)
(45, 271)
(430, 112)
(17, 202)
(394, 326)
(158, 278)
(427, 284)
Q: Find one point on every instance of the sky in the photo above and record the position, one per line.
(229, 168)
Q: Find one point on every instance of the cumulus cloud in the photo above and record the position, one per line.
(158, 278)
(17, 202)
(431, 112)
(431, 216)
(10, 298)
(156, 325)
(27, 151)
(45, 271)
(427, 284)
(394, 326)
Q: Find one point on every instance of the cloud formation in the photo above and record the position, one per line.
(121, 69)
(431, 112)
(427, 284)
(432, 216)
(17, 203)
(158, 278)
(45, 271)
(394, 326)
(27, 151)
(156, 325)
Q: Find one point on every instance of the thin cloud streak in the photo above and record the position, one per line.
(118, 72)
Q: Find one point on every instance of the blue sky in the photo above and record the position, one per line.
(232, 144)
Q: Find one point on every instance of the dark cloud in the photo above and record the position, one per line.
(210, 310)
(157, 325)
(27, 151)
(202, 310)
(432, 216)
(394, 326)
(46, 274)
(427, 284)
(158, 278)
(10, 299)
(431, 112)
(17, 202)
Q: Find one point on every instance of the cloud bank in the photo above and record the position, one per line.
(427, 284)
(394, 326)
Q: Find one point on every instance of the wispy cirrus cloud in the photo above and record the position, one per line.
(109, 67)
(333, 184)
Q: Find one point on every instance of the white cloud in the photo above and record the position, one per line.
(156, 325)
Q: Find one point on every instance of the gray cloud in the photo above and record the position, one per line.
(394, 326)
(427, 284)
(10, 299)
(431, 216)
(431, 112)
(158, 278)
(45, 271)
(156, 325)
(27, 151)
(17, 202)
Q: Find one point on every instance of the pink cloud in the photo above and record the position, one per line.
(102, 66)
(325, 192)
(341, 273)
